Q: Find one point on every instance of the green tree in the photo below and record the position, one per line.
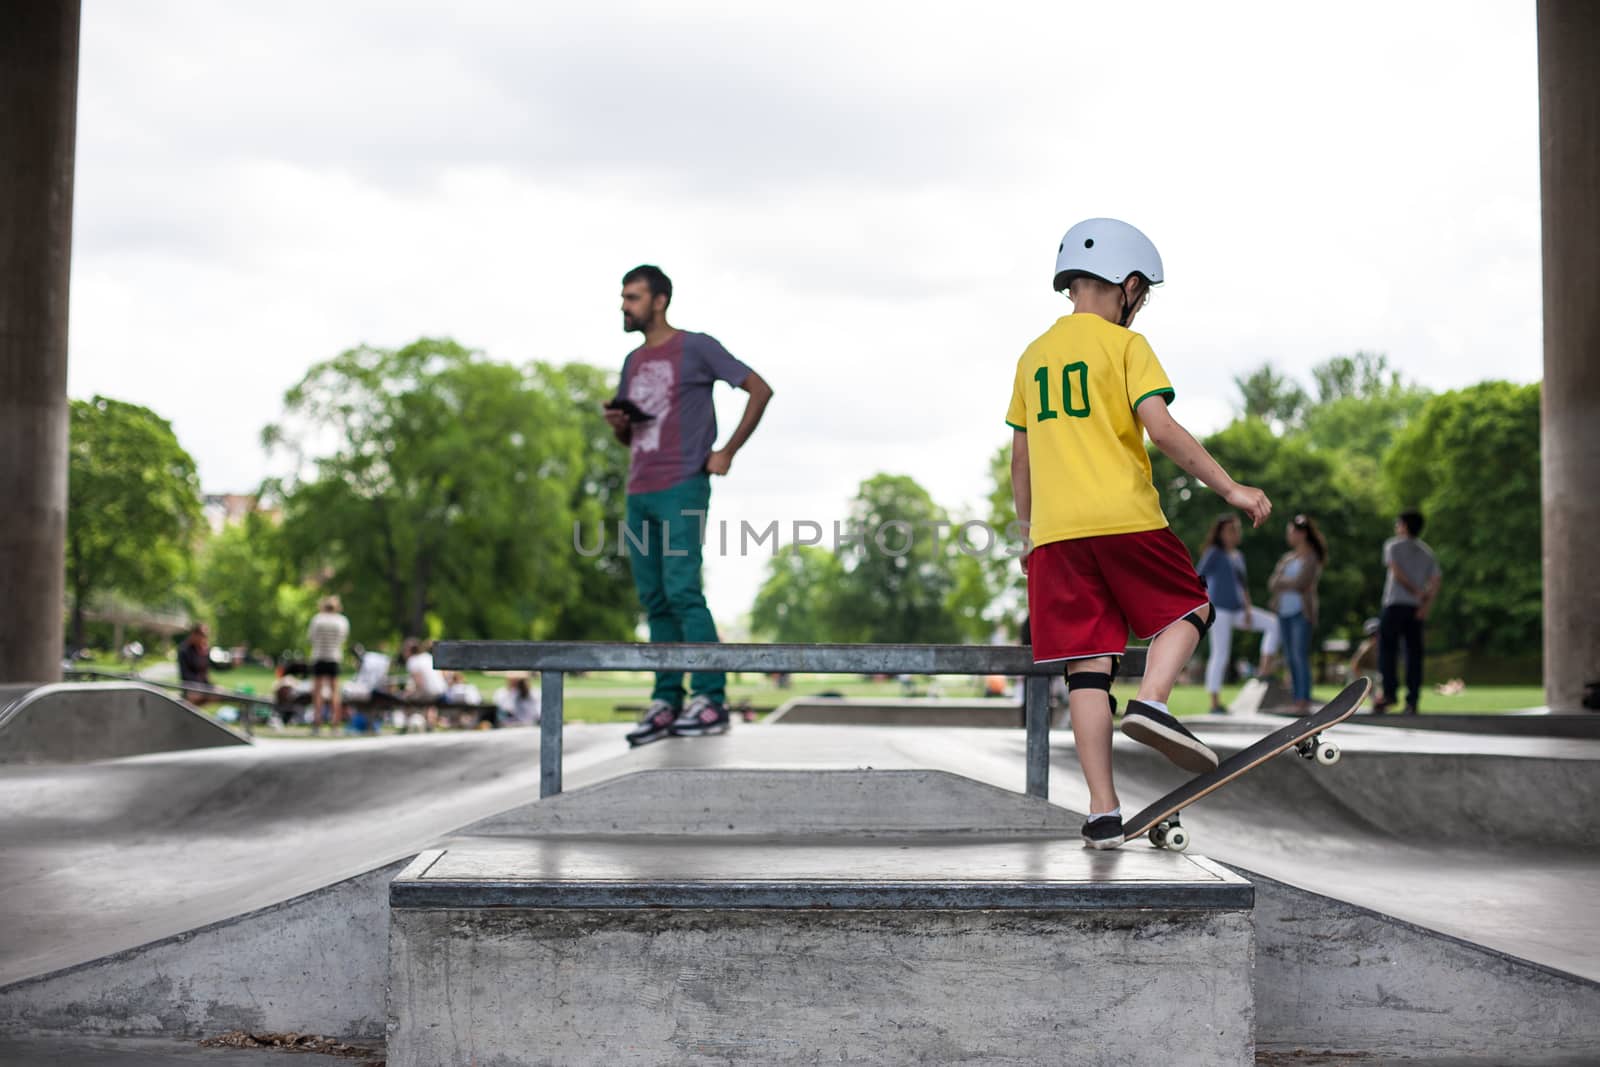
(250, 588)
(602, 606)
(1270, 396)
(133, 506)
(1299, 480)
(896, 584)
(1363, 374)
(902, 580)
(449, 496)
(1003, 579)
(971, 601)
(792, 605)
(1470, 463)
(1361, 405)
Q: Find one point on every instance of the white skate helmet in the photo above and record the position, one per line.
(1106, 249)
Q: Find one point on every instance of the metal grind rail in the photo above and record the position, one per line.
(553, 659)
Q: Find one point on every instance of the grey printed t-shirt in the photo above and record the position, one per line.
(1416, 562)
(673, 382)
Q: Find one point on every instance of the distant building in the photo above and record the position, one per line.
(225, 509)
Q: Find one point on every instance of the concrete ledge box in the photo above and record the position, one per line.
(619, 951)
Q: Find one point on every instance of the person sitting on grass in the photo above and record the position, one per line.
(194, 664)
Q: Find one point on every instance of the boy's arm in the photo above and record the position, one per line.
(1021, 487)
(1191, 455)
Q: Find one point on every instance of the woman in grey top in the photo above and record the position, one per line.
(1222, 566)
(1294, 597)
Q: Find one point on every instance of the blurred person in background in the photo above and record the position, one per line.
(1293, 586)
(327, 634)
(194, 663)
(1222, 568)
(1410, 585)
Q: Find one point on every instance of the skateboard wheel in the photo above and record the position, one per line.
(1327, 753)
(1158, 835)
(1177, 839)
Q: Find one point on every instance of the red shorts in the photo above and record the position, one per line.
(1085, 595)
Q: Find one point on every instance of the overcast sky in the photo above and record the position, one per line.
(861, 201)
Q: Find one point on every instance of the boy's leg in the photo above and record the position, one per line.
(1090, 708)
(1075, 619)
(1168, 653)
(645, 561)
(1156, 587)
(1147, 719)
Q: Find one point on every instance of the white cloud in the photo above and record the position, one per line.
(860, 202)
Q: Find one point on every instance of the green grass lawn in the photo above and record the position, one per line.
(595, 697)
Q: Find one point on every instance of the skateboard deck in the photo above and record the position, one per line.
(1160, 819)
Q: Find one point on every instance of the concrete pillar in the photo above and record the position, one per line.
(1569, 164)
(38, 127)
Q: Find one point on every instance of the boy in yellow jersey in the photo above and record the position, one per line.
(1102, 558)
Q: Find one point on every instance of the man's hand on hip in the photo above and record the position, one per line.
(719, 462)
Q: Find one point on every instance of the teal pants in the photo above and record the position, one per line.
(663, 540)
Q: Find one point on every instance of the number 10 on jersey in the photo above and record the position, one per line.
(1074, 391)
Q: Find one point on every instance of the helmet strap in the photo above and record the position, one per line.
(1127, 305)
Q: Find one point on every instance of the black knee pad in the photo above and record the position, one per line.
(1094, 680)
(1194, 619)
(1088, 680)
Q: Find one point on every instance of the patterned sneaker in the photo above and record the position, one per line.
(1104, 832)
(701, 718)
(654, 725)
(1166, 735)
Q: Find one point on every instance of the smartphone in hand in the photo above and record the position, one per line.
(634, 412)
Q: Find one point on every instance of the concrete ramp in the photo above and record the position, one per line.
(777, 802)
(69, 722)
(1396, 912)
(312, 964)
(1333, 976)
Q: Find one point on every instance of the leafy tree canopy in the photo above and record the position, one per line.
(903, 581)
(251, 591)
(133, 506)
(1470, 463)
(433, 485)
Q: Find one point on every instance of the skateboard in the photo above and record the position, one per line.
(1304, 736)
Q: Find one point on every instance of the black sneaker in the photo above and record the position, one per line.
(701, 718)
(1166, 735)
(1411, 709)
(1104, 832)
(654, 725)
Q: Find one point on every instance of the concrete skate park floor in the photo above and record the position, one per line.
(102, 857)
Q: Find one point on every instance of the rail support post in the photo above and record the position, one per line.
(1036, 699)
(550, 716)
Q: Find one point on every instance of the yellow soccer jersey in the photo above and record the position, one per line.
(1075, 396)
